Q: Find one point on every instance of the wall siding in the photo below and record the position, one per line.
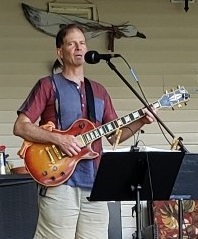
(165, 59)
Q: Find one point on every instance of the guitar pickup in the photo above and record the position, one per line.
(58, 153)
(50, 155)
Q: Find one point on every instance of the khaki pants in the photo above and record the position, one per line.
(65, 213)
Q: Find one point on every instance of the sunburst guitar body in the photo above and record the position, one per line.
(49, 166)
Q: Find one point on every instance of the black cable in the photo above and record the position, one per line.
(145, 98)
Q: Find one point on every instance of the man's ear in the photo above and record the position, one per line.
(59, 52)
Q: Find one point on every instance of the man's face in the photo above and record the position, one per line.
(73, 49)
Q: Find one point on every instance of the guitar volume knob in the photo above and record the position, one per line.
(44, 173)
(62, 174)
(55, 168)
(81, 125)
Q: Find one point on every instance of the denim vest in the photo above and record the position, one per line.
(68, 106)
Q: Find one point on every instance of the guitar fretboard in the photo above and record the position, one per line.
(166, 101)
(111, 126)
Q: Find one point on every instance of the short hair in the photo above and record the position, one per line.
(64, 29)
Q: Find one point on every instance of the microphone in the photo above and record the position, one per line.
(93, 57)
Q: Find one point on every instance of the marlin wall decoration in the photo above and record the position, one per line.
(50, 23)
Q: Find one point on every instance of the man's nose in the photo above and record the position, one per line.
(78, 46)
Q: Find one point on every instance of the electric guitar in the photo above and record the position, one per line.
(51, 167)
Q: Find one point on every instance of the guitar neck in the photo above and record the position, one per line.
(112, 126)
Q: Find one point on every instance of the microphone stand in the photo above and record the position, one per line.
(182, 148)
(112, 66)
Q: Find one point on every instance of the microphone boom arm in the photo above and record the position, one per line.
(112, 66)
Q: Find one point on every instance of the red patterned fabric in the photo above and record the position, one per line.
(166, 218)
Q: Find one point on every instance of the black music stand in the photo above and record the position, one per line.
(136, 176)
(184, 188)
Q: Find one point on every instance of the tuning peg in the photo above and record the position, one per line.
(172, 89)
(178, 87)
(166, 92)
(185, 103)
(172, 108)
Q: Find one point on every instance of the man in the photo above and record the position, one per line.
(64, 211)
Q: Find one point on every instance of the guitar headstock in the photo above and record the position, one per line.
(175, 97)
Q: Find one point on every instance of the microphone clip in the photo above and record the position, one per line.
(134, 149)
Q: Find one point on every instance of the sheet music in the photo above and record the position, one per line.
(124, 149)
(152, 149)
(140, 148)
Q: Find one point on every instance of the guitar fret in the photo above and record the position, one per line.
(97, 134)
(120, 123)
(136, 115)
(85, 138)
(92, 135)
(105, 128)
(127, 119)
(110, 127)
(123, 120)
(131, 116)
(88, 137)
(140, 111)
(156, 105)
(116, 124)
(101, 131)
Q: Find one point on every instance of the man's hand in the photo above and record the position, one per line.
(149, 117)
(69, 144)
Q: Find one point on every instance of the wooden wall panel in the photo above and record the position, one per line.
(165, 59)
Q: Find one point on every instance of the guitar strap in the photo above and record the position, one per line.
(91, 114)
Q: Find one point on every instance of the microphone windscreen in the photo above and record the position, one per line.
(92, 57)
